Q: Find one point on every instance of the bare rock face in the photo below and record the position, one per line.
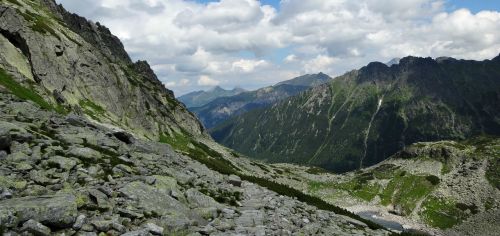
(79, 66)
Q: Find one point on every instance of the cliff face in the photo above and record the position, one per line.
(80, 67)
(366, 115)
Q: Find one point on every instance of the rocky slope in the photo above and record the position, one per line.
(42, 43)
(66, 174)
(75, 159)
(200, 98)
(361, 118)
(447, 185)
(223, 108)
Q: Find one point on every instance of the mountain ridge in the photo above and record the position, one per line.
(378, 109)
(200, 98)
(220, 109)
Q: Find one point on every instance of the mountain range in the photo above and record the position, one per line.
(361, 118)
(200, 98)
(220, 109)
(92, 143)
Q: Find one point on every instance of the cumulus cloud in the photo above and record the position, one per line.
(234, 42)
(207, 81)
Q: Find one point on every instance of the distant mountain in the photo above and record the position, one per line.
(200, 98)
(393, 61)
(220, 109)
(310, 80)
(366, 115)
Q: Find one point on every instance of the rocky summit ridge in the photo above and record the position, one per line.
(92, 143)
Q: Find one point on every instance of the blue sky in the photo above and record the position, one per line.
(473, 5)
(196, 44)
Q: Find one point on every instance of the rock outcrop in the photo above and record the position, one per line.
(79, 66)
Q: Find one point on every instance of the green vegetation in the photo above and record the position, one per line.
(15, 2)
(41, 23)
(316, 170)
(441, 213)
(200, 152)
(223, 195)
(91, 109)
(406, 191)
(493, 172)
(27, 93)
(311, 200)
(214, 161)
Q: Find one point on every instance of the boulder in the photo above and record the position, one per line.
(36, 228)
(234, 180)
(62, 162)
(52, 210)
(153, 199)
(85, 153)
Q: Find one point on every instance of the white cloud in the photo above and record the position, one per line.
(247, 66)
(207, 81)
(321, 63)
(290, 58)
(186, 40)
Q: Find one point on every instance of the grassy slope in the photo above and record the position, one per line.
(396, 187)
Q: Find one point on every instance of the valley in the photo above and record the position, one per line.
(93, 143)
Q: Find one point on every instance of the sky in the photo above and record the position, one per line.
(197, 44)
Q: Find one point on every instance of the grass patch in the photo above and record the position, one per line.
(316, 170)
(223, 196)
(40, 24)
(406, 191)
(261, 166)
(25, 93)
(360, 188)
(441, 213)
(91, 109)
(200, 152)
(15, 2)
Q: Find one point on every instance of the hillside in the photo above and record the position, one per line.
(223, 108)
(42, 43)
(361, 118)
(446, 187)
(200, 98)
(93, 144)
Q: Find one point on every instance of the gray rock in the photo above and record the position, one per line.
(234, 180)
(52, 210)
(250, 218)
(80, 220)
(154, 198)
(154, 229)
(142, 232)
(102, 225)
(100, 199)
(60, 162)
(85, 153)
(35, 228)
(5, 139)
(198, 199)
